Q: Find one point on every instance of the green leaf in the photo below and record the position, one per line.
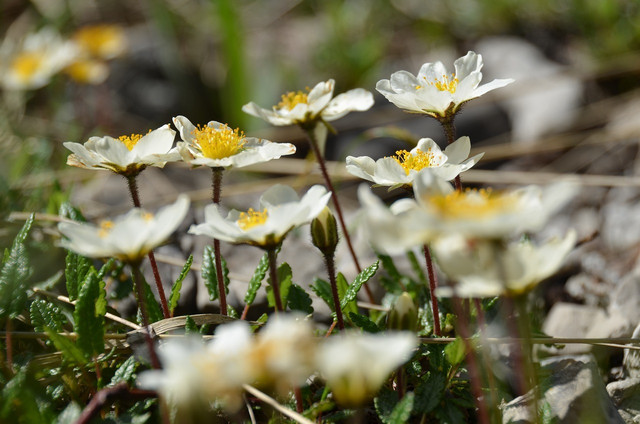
(89, 315)
(299, 300)
(22, 400)
(45, 314)
(385, 403)
(362, 278)
(70, 414)
(153, 307)
(125, 372)
(389, 266)
(75, 271)
(174, 297)
(209, 273)
(284, 279)
(67, 210)
(415, 265)
(190, 326)
(455, 351)
(402, 411)
(430, 392)
(106, 268)
(323, 290)
(363, 322)
(70, 350)
(14, 275)
(343, 287)
(256, 280)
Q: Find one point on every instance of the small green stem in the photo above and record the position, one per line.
(273, 273)
(331, 270)
(133, 189)
(433, 284)
(216, 183)
(138, 282)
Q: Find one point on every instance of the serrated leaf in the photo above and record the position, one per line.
(402, 411)
(174, 297)
(67, 210)
(70, 350)
(256, 280)
(389, 266)
(75, 271)
(429, 392)
(415, 265)
(89, 315)
(153, 307)
(363, 322)
(210, 275)
(361, 279)
(70, 414)
(385, 403)
(125, 372)
(284, 284)
(45, 314)
(343, 287)
(14, 275)
(190, 326)
(299, 300)
(455, 351)
(323, 290)
(108, 266)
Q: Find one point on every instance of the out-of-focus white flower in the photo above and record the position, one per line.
(305, 108)
(126, 155)
(128, 237)
(435, 91)
(401, 169)
(88, 71)
(31, 63)
(102, 41)
(482, 268)
(356, 365)
(217, 145)
(280, 210)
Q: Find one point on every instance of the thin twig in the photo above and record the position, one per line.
(275, 405)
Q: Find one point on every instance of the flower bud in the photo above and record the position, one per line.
(403, 314)
(324, 232)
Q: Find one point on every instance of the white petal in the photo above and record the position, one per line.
(459, 150)
(497, 83)
(467, 64)
(353, 100)
(156, 142)
(186, 128)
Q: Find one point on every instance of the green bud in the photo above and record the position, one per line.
(324, 232)
(403, 314)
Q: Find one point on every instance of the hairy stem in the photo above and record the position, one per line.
(450, 133)
(275, 284)
(216, 183)
(331, 270)
(138, 282)
(433, 284)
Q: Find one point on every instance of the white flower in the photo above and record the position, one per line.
(302, 108)
(101, 41)
(436, 92)
(482, 268)
(217, 145)
(279, 212)
(127, 154)
(356, 365)
(31, 63)
(128, 237)
(401, 169)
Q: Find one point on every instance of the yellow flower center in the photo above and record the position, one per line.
(219, 143)
(103, 41)
(27, 64)
(446, 83)
(416, 161)
(470, 204)
(105, 228)
(252, 218)
(292, 99)
(130, 140)
(147, 216)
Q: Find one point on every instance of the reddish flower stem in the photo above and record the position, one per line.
(331, 270)
(433, 284)
(138, 282)
(216, 183)
(450, 133)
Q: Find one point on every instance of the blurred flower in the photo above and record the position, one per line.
(279, 212)
(101, 41)
(127, 155)
(88, 71)
(403, 314)
(356, 365)
(217, 145)
(306, 108)
(482, 268)
(31, 63)
(401, 169)
(436, 92)
(128, 237)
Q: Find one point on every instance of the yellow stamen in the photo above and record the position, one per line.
(416, 161)
(147, 216)
(470, 204)
(418, 87)
(292, 99)
(27, 64)
(105, 227)
(219, 143)
(104, 41)
(446, 83)
(252, 218)
(130, 140)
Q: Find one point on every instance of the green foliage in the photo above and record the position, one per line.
(323, 290)
(125, 372)
(75, 271)
(402, 410)
(299, 300)
(284, 278)
(354, 288)
(67, 210)
(71, 352)
(174, 297)
(45, 314)
(363, 322)
(23, 401)
(429, 392)
(455, 351)
(89, 315)
(190, 326)
(153, 307)
(385, 403)
(15, 274)
(210, 275)
(256, 279)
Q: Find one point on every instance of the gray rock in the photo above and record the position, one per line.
(621, 225)
(571, 320)
(626, 396)
(572, 392)
(625, 298)
(631, 360)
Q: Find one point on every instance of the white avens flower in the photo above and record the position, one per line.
(356, 365)
(102, 41)
(435, 91)
(305, 108)
(481, 268)
(279, 211)
(128, 237)
(127, 155)
(217, 145)
(401, 169)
